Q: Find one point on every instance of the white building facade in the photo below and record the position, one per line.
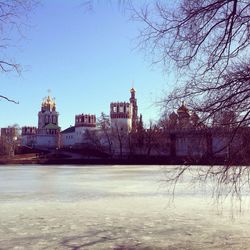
(76, 135)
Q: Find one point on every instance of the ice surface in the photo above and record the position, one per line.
(111, 207)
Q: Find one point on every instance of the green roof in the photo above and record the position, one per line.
(51, 126)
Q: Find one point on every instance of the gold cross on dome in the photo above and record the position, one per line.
(49, 91)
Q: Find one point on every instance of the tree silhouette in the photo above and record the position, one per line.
(12, 14)
(206, 40)
(207, 43)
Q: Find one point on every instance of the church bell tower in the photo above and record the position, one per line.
(133, 103)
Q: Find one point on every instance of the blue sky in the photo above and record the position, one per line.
(87, 59)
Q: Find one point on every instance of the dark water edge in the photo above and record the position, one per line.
(136, 160)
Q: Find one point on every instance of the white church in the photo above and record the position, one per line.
(47, 135)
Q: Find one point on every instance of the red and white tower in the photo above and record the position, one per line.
(124, 114)
(120, 114)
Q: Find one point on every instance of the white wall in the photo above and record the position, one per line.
(49, 141)
(68, 139)
(80, 132)
(125, 123)
(28, 140)
(190, 145)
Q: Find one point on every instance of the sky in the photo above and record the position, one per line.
(86, 58)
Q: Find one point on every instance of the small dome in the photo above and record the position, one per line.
(132, 90)
(195, 116)
(49, 103)
(182, 109)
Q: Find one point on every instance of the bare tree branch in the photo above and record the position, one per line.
(12, 16)
(207, 42)
(9, 100)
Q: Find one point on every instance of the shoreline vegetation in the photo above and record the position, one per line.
(62, 157)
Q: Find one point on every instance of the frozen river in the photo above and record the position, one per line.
(112, 207)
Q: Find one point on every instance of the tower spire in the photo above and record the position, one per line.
(133, 103)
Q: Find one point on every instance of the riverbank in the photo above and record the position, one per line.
(87, 156)
(31, 159)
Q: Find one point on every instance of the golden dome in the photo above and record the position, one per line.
(48, 101)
